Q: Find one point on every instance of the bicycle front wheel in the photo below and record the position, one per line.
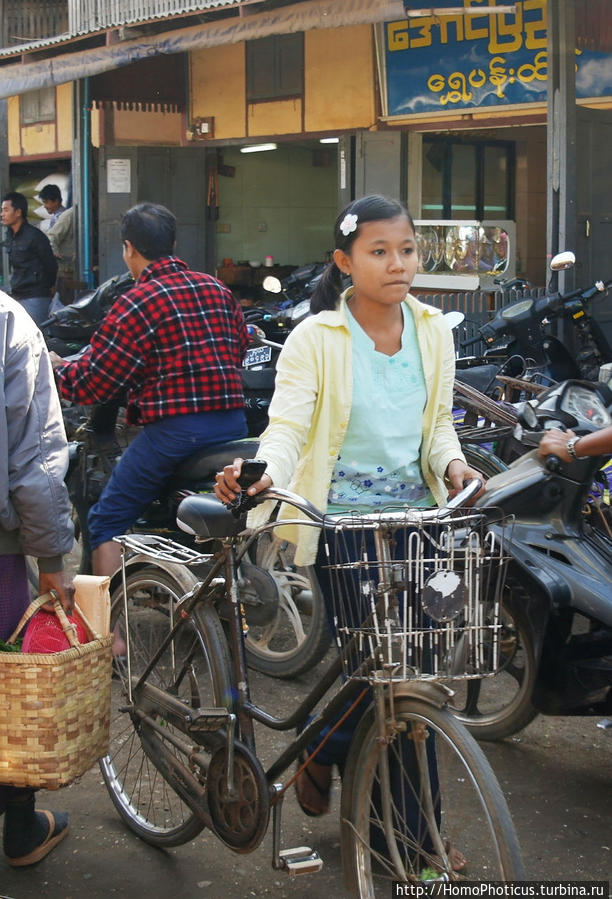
(194, 668)
(432, 789)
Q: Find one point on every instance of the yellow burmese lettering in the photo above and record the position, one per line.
(397, 36)
(535, 31)
(506, 36)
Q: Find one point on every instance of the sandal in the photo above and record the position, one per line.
(58, 829)
(306, 776)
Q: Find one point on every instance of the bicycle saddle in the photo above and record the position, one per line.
(204, 516)
(206, 463)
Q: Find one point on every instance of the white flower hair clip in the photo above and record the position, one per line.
(348, 224)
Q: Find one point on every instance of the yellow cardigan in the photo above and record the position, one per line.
(310, 410)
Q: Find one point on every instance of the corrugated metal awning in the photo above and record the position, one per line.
(90, 17)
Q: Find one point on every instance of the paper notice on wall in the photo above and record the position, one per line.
(342, 169)
(118, 176)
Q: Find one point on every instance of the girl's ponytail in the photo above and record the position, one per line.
(328, 290)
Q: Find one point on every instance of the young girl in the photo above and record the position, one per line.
(361, 414)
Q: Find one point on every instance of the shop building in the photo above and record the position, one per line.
(450, 113)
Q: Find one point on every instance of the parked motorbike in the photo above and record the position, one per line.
(269, 327)
(69, 328)
(520, 328)
(556, 646)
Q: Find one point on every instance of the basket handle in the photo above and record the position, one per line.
(36, 604)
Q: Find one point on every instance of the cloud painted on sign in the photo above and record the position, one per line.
(594, 77)
(425, 102)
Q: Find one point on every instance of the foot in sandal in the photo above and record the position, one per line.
(30, 835)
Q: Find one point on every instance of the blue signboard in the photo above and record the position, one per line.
(455, 62)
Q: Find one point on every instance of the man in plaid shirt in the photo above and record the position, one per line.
(175, 341)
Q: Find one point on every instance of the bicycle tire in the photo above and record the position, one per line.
(299, 637)
(473, 817)
(498, 707)
(147, 804)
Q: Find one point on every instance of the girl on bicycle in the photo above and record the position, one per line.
(361, 414)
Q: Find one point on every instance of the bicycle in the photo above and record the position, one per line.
(183, 751)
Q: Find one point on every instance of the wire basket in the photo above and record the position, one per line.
(417, 598)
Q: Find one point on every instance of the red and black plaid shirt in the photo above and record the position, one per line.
(175, 340)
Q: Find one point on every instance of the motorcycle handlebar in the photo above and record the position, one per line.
(553, 463)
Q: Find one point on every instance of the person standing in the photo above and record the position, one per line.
(34, 267)
(175, 341)
(61, 238)
(51, 198)
(34, 520)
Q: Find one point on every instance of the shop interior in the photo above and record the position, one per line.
(277, 204)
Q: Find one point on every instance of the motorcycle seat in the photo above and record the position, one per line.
(204, 464)
(480, 376)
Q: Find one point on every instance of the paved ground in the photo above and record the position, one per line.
(557, 776)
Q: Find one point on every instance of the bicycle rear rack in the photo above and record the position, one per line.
(162, 549)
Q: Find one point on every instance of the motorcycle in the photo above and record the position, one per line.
(520, 328)
(268, 328)
(69, 328)
(556, 643)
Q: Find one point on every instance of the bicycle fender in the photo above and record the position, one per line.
(433, 693)
(182, 575)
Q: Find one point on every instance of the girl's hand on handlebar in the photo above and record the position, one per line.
(554, 443)
(227, 487)
(457, 473)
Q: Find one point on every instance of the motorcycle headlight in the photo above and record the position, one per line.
(585, 405)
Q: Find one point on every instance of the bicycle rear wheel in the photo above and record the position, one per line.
(194, 668)
(443, 797)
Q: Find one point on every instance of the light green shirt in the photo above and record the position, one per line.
(311, 406)
(378, 464)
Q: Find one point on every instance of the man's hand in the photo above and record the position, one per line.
(61, 582)
(55, 359)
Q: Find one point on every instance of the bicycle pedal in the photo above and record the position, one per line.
(301, 860)
(207, 720)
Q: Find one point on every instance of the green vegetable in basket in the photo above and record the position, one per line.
(11, 647)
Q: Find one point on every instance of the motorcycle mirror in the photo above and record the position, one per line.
(453, 318)
(528, 417)
(562, 261)
(272, 284)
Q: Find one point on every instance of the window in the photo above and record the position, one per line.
(38, 106)
(468, 179)
(275, 67)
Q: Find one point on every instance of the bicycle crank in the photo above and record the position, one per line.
(239, 813)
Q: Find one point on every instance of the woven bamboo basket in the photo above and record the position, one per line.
(55, 709)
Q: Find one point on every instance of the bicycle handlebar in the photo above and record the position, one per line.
(276, 494)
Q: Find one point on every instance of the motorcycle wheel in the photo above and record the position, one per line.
(299, 635)
(500, 706)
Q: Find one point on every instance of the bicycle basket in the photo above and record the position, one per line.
(417, 599)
